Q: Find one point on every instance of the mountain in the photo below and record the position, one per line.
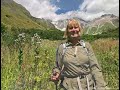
(61, 24)
(101, 24)
(96, 26)
(15, 15)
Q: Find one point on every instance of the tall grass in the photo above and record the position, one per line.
(107, 52)
(35, 72)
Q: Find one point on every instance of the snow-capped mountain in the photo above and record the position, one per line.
(61, 24)
(108, 20)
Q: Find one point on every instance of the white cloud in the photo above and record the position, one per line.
(39, 8)
(88, 10)
(58, 0)
(97, 6)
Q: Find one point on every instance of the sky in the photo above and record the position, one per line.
(66, 9)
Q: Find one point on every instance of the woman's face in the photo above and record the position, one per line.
(73, 31)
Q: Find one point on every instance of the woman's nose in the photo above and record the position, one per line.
(74, 30)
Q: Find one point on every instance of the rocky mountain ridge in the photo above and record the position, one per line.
(97, 23)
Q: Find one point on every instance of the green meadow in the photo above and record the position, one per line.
(28, 56)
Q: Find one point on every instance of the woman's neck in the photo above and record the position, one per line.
(74, 41)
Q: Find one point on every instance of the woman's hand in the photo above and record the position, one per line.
(55, 76)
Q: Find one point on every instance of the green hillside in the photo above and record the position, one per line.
(15, 15)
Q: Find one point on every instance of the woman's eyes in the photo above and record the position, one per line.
(70, 27)
(73, 27)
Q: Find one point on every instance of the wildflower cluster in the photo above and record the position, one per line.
(36, 42)
(20, 41)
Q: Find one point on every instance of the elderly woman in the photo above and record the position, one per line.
(76, 64)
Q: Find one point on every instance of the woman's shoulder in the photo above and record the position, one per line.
(61, 46)
(86, 44)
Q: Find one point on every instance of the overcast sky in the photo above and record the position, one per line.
(65, 9)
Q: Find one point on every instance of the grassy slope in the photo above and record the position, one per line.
(15, 15)
(16, 18)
